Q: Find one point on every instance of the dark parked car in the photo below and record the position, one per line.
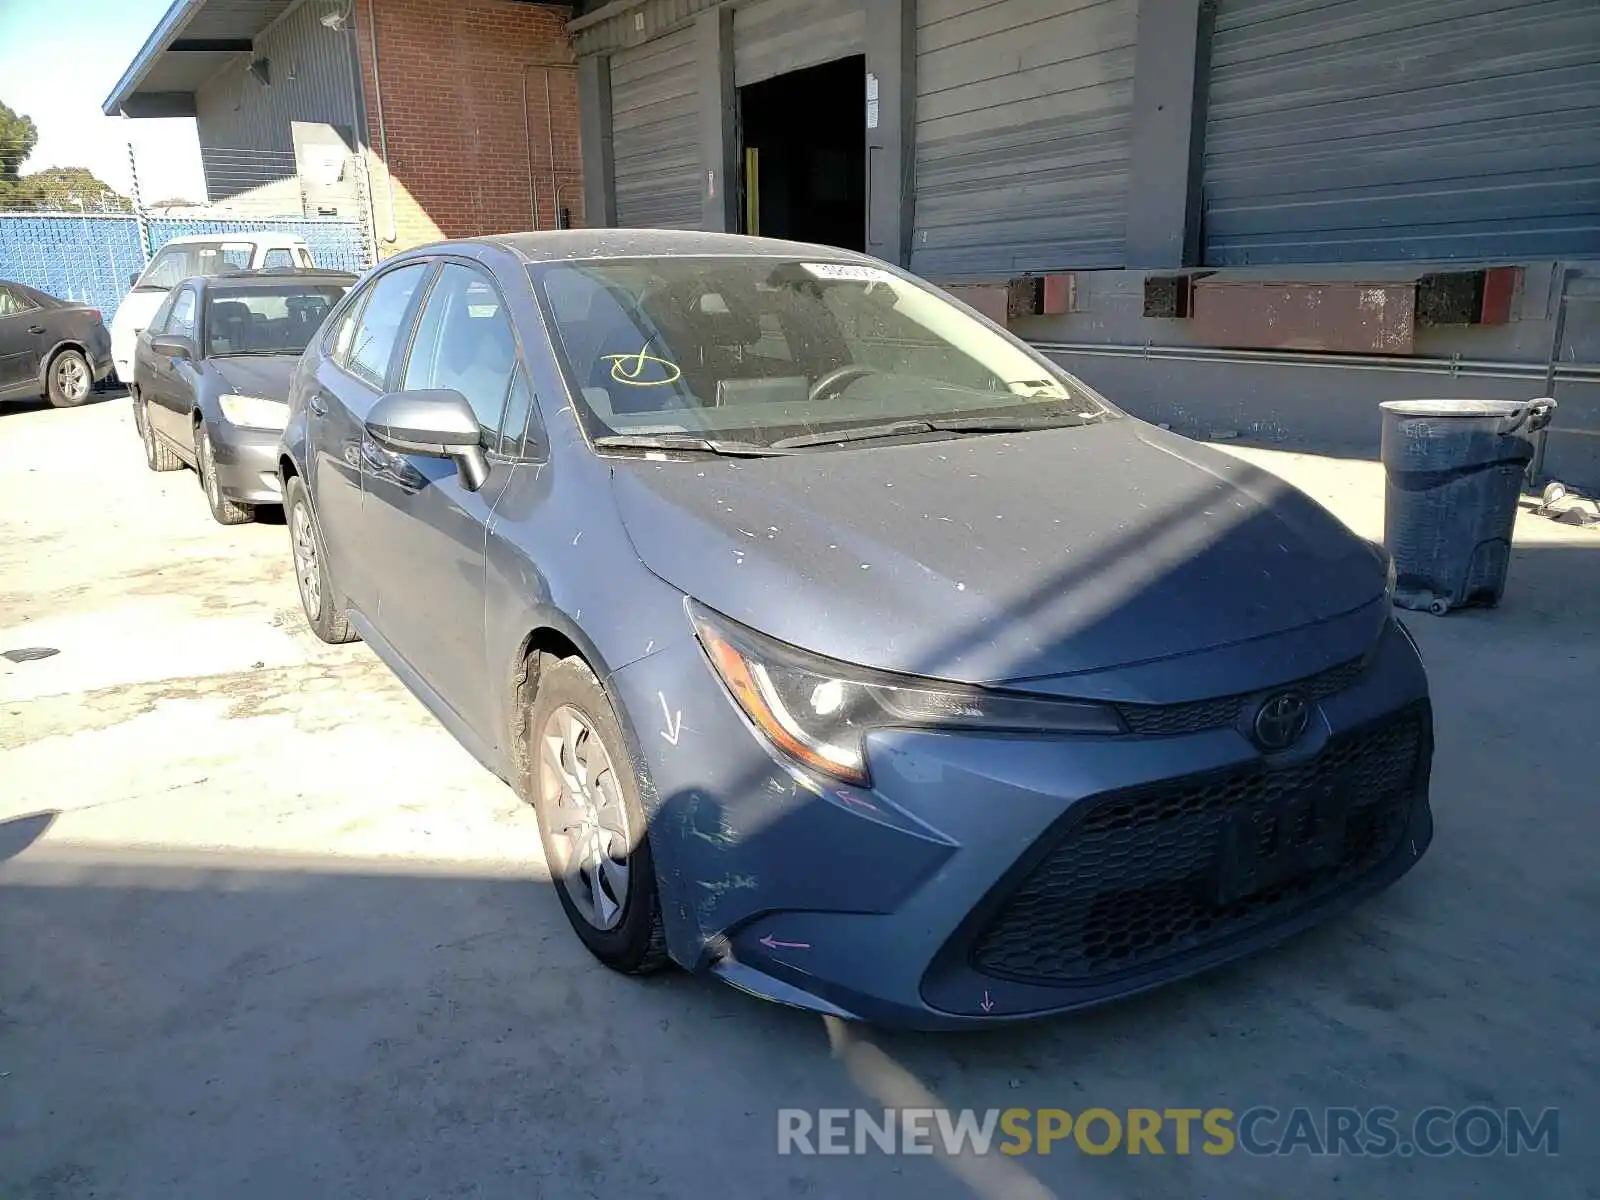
(53, 348)
(211, 378)
(847, 647)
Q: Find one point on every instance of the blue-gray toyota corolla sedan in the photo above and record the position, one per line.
(847, 648)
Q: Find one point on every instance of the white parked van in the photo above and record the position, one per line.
(200, 254)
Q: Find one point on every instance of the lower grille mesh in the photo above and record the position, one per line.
(1151, 873)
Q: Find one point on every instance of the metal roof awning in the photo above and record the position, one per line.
(190, 44)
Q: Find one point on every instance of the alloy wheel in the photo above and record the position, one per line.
(307, 566)
(591, 837)
(71, 378)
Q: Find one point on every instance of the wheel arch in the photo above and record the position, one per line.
(46, 361)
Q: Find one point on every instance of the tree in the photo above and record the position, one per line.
(17, 139)
(66, 189)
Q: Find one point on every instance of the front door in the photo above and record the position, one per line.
(350, 378)
(167, 395)
(427, 531)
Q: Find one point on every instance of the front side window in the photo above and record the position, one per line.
(464, 342)
(762, 349)
(378, 329)
(158, 323)
(267, 318)
(180, 322)
(173, 264)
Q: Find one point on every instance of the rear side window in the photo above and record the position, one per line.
(388, 304)
(304, 256)
(13, 301)
(277, 258)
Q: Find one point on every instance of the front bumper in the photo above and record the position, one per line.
(246, 462)
(986, 877)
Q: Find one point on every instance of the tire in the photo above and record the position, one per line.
(223, 510)
(634, 942)
(323, 606)
(69, 380)
(158, 456)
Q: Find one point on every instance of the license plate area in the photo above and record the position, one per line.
(1267, 846)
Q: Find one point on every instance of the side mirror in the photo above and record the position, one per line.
(435, 423)
(170, 345)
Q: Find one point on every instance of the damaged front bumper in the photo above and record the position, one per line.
(987, 877)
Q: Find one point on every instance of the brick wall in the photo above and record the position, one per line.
(453, 78)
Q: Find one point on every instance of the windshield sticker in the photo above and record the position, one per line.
(643, 370)
(849, 272)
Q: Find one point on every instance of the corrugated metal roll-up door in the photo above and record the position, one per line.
(1024, 116)
(1385, 130)
(774, 36)
(655, 139)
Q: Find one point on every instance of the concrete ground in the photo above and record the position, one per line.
(267, 931)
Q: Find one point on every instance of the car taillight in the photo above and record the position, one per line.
(95, 313)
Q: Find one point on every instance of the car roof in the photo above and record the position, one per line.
(565, 244)
(255, 239)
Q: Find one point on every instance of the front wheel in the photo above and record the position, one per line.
(69, 381)
(223, 510)
(592, 826)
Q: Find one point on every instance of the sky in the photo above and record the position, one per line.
(59, 60)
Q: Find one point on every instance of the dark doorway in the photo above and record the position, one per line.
(804, 146)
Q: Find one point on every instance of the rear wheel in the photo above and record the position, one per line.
(223, 510)
(590, 820)
(323, 607)
(69, 381)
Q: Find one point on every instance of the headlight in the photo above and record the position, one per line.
(254, 412)
(819, 711)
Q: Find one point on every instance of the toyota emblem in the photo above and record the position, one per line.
(1281, 720)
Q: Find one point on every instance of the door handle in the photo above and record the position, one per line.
(36, 329)
(318, 404)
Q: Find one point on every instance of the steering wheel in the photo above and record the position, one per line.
(840, 378)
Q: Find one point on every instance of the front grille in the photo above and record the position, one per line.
(1148, 874)
(1166, 720)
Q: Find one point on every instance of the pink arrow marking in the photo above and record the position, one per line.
(987, 1003)
(772, 943)
(857, 801)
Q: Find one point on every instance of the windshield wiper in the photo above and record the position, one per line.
(1015, 424)
(686, 441)
(860, 433)
(994, 424)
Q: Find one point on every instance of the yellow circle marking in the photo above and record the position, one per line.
(629, 369)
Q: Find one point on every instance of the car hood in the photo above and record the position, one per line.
(1000, 558)
(265, 375)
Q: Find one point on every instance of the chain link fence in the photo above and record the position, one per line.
(86, 254)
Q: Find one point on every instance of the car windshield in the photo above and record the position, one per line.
(267, 318)
(173, 264)
(759, 351)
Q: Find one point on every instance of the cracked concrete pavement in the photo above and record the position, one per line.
(266, 930)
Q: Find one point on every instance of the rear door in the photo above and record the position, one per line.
(349, 378)
(427, 531)
(19, 344)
